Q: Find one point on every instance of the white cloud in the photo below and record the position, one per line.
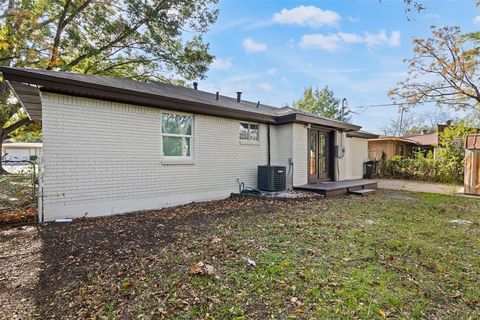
(353, 19)
(333, 42)
(265, 86)
(221, 64)
(395, 39)
(251, 46)
(307, 16)
(476, 20)
(330, 43)
(272, 71)
(350, 37)
(381, 38)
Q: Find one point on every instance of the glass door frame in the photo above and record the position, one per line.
(327, 173)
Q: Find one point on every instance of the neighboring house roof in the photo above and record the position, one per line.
(393, 138)
(27, 83)
(20, 145)
(426, 139)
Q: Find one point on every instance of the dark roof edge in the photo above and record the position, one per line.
(302, 118)
(362, 134)
(53, 84)
(107, 93)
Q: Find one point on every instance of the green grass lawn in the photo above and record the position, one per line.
(392, 255)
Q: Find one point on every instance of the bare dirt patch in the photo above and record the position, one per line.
(252, 258)
(70, 253)
(20, 264)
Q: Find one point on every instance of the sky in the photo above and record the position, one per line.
(271, 50)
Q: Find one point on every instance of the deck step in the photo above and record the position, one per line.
(363, 192)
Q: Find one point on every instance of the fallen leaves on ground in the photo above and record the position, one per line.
(17, 203)
(261, 258)
(203, 269)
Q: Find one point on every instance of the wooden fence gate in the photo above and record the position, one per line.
(472, 164)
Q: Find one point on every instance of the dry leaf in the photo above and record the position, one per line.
(382, 313)
(201, 268)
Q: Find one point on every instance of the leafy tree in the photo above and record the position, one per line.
(322, 102)
(444, 69)
(450, 153)
(451, 141)
(447, 166)
(139, 39)
(31, 132)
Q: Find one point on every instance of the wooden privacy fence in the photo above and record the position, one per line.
(472, 164)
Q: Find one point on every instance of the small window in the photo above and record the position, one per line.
(176, 135)
(249, 132)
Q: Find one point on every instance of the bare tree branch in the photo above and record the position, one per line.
(444, 68)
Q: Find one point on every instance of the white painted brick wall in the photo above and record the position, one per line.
(291, 142)
(356, 153)
(300, 147)
(103, 158)
(282, 148)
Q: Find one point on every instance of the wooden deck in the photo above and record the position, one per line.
(338, 188)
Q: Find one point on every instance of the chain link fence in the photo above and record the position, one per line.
(18, 191)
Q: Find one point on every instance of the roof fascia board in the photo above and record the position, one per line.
(302, 118)
(173, 105)
(395, 139)
(362, 135)
(107, 93)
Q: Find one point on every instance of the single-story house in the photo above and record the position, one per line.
(431, 141)
(425, 141)
(21, 150)
(113, 145)
(389, 146)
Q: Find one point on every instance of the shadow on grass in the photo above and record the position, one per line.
(75, 254)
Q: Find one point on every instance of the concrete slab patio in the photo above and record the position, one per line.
(419, 186)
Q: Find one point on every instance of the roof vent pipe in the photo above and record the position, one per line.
(239, 96)
(217, 95)
(195, 85)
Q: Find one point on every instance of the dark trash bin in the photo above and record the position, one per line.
(370, 169)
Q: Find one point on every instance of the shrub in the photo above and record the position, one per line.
(446, 167)
(424, 168)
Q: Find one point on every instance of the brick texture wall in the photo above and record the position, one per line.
(356, 153)
(103, 158)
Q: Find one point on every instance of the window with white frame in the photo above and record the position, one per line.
(249, 132)
(177, 135)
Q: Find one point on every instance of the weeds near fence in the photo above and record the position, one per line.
(446, 166)
(423, 168)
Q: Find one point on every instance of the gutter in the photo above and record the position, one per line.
(306, 119)
(362, 134)
(53, 84)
